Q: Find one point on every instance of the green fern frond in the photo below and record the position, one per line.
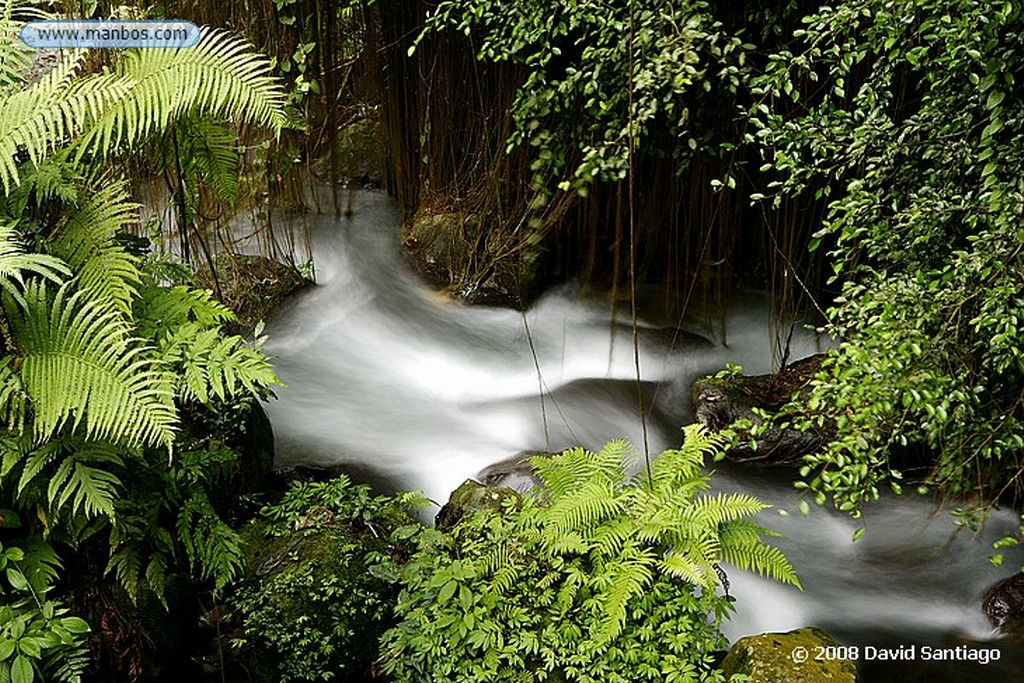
(740, 533)
(104, 270)
(52, 178)
(219, 76)
(14, 262)
(609, 538)
(688, 568)
(91, 491)
(38, 119)
(564, 472)
(80, 367)
(722, 507)
(35, 462)
(160, 311)
(13, 399)
(210, 148)
(212, 546)
(764, 559)
(628, 578)
(212, 366)
(589, 504)
(156, 576)
(125, 564)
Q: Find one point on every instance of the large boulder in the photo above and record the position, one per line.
(1004, 606)
(788, 658)
(719, 402)
(451, 252)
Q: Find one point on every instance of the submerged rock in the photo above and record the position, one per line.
(788, 658)
(717, 403)
(1004, 606)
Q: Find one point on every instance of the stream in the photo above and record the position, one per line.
(404, 389)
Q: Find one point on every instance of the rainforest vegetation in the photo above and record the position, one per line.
(862, 161)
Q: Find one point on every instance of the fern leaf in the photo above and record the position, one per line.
(764, 559)
(126, 564)
(628, 580)
(14, 261)
(219, 76)
(213, 366)
(162, 310)
(687, 568)
(85, 241)
(713, 510)
(92, 491)
(584, 508)
(36, 461)
(212, 546)
(81, 367)
(13, 399)
(37, 119)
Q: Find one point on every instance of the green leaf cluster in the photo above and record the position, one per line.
(596, 576)
(910, 124)
(321, 581)
(39, 640)
(602, 79)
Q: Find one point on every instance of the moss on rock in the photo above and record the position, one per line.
(788, 658)
(251, 286)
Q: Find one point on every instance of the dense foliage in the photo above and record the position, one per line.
(322, 581)
(594, 577)
(107, 355)
(909, 118)
(601, 78)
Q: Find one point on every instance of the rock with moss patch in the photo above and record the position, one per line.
(788, 658)
(251, 286)
(470, 497)
(717, 402)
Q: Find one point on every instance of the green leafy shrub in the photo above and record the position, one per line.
(593, 577)
(601, 77)
(321, 581)
(911, 123)
(38, 639)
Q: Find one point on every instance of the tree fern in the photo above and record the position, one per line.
(82, 369)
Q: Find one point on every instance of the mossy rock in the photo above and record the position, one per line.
(468, 498)
(1003, 604)
(717, 402)
(251, 286)
(788, 658)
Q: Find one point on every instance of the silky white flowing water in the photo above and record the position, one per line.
(407, 390)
